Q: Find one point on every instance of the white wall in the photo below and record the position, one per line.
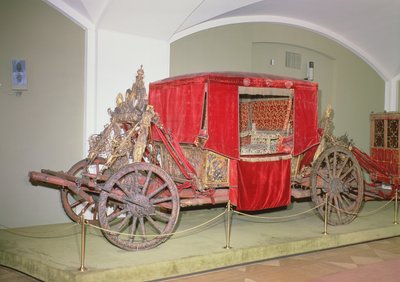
(119, 56)
(45, 127)
(42, 128)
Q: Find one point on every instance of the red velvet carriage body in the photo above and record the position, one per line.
(239, 131)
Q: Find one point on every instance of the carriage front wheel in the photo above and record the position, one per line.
(73, 204)
(139, 207)
(337, 177)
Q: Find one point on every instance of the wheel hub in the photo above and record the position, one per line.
(140, 206)
(336, 185)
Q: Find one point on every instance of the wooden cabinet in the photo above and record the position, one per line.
(385, 141)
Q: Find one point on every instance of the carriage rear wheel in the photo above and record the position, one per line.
(338, 176)
(73, 204)
(139, 207)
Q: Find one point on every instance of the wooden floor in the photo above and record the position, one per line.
(372, 261)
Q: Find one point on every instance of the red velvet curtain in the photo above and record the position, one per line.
(263, 184)
(305, 117)
(223, 119)
(180, 108)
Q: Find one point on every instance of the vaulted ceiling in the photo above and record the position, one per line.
(371, 28)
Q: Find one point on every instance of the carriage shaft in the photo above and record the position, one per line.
(59, 181)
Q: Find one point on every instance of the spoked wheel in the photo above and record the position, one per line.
(140, 204)
(73, 204)
(337, 175)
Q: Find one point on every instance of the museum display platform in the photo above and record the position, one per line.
(53, 252)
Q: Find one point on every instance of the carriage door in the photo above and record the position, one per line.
(266, 144)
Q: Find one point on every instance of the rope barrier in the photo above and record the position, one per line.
(280, 217)
(227, 211)
(158, 235)
(35, 236)
(365, 214)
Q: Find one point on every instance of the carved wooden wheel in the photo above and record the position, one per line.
(73, 204)
(337, 175)
(140, 203)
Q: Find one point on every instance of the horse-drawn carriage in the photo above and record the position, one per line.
(248, 139)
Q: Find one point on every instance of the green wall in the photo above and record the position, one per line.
(43, 127)
(346, 82)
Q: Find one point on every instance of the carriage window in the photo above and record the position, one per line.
(392, 133)
(379, 127)
(265, 119)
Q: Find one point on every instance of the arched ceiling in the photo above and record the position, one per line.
(371, 28)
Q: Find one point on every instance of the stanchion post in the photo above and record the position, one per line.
(82, 267)
(396, 205)
(326, 216)
(228, 227)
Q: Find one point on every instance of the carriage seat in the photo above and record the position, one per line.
(259, 142)
(264, 126)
